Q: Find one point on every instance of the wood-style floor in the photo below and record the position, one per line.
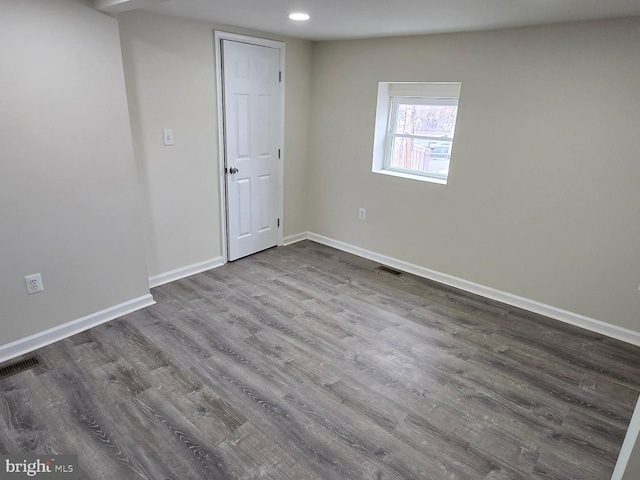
(304, 363)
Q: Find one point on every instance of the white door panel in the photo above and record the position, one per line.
(243, 191)
(243, 126)
(265, 203)
(253, 125)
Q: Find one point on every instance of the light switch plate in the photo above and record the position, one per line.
(168, 137)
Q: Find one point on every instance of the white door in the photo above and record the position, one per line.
(252, 131)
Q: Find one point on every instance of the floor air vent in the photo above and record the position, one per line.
(20, 366)
(390, 270)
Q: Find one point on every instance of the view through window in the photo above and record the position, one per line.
(414, 129)
(421, 135)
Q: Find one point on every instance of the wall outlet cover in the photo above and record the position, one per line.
(33, 283)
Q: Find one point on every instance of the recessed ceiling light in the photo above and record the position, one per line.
(299, 16)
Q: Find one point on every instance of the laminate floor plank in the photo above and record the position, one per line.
(256, 456)
(80, 421)
(306, 362)
(312, 446)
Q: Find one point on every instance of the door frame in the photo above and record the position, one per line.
(224, 220)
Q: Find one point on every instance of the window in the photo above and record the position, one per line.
(419, 121)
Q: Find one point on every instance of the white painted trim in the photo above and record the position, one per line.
(182, 272)
(298, 237)
(410, 176)
(236, 37)
(218, 37)
(120, 6)
(217, 61)
(283, 152)
(597, 326)
(630, 439)
(55, 334)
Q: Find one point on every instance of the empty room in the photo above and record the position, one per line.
(291, 240)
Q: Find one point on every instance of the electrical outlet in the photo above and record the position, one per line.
(33, 283)
(362, 214)
(167, 137)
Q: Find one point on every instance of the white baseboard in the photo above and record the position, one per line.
(55, 334)
(298, 237)
(182, 272)
(597, 326)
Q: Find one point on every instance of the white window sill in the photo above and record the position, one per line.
(410, 176)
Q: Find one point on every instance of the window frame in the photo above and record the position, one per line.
(422, 93)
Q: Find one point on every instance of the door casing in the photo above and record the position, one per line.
(218, 37)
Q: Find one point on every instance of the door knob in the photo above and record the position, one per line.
(233, 170)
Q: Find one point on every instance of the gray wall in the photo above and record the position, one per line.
(69, 205)
(543, 199)
(170, 76)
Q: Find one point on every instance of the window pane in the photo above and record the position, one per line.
(423, 156)
(431, 120)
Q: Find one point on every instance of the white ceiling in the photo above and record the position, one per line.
(341, 19)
